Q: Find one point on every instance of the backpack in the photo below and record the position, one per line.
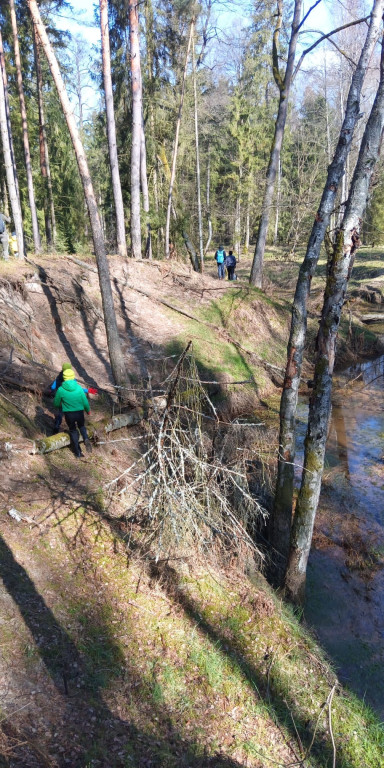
(220, 257)
(2, 225)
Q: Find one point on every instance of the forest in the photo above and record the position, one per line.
(191, 384)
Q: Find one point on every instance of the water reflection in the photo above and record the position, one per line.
(346, 569)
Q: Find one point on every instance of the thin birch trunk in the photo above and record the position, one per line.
(208, 199)
(329, 151)
(8, 116)
(137, 108)
(111, 131)
(9, 168)
(45, 168)
(113, 340)
(280, 522)
(276, 230)
(198, 181)
(284, 84)
(248, 219)
(237, 228)
(144, 189)
(176, 143)
(340, 268)
(24, 128)
(343, 190)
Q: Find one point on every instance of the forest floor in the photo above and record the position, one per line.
(105, 659)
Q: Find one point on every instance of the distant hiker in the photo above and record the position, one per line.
(220, 258)
(71, 397)
(4, 235)
(230, 263)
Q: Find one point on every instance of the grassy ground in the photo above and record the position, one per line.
(155, 665)
(109, 659)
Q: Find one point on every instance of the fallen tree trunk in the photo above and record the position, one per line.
(372, 317)
(62, 439)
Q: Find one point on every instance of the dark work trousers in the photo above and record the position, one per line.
(58, 420)
(75, 419)
(231, 272)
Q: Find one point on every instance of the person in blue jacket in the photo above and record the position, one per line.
(230, 263)
(220, 259)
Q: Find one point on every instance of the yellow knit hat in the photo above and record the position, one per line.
(68, 374)
(65, 366)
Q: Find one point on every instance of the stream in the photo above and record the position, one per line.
(345, 585)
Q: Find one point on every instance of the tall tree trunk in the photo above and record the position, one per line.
(176, 143)
(114, 345)
(284, 84)
(198, 181)
(137, 108)
(280, 521)
(340, 268)
(8, 116)
(144, 189)
(208, 200)
(276, 229)
(329, 150)
(24, 128)
(45, 168)
(8, 162)
(111, 130)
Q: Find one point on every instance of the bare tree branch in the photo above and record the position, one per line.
(325, 37)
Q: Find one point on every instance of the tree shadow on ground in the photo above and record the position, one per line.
(135, 342)
(268, 686)
(90, 330)
(74, 360)
(283, 708)
(90, 732)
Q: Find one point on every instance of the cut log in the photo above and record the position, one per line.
(122, 420)
(373, 317)
(62, 439)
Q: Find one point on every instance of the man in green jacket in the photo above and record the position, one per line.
(71, 397)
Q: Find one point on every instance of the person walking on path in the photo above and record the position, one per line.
(71, 397)
(55, 386)
(220, 258)
(230, 263)
(4, 235)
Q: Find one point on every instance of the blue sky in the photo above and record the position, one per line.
(82, 20)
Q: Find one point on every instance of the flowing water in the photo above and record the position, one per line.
(345, 588)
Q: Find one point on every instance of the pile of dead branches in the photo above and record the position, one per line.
(181, 487)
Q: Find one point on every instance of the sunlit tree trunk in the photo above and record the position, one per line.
(280, 521)
(24, 130)
(237, 227)
(8, 116)
(137, 108)
(340, 267)
(283, 84)
(144, 189)
(198, 182)
(111, 130)
(114, 345)
(208, 200)
(9, 165)
(176, 143)
(278, 194)
(49, 206)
